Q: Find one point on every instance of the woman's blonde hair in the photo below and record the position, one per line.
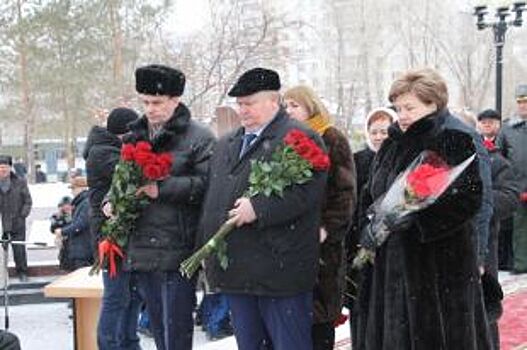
(306, 97)
(425, 83)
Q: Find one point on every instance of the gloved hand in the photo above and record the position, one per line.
(523, 197)
(398, 224)
(367, 238)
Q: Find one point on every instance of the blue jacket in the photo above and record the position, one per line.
(77, 237)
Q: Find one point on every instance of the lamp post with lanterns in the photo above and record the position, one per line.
(500, 25)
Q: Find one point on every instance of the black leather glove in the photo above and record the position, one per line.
(367, 238)
(394, 224)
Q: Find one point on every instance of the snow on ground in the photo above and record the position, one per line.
(47, 327)
(49, 194)
(45, 198)
(40, 234)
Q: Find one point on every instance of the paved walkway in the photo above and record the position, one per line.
(513, 323)
(47, 326)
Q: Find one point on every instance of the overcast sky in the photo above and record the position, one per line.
(187, 16)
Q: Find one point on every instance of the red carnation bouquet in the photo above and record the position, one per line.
(137, 166)
(292, 163)
(415, 189)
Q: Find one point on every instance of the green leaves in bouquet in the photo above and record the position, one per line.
(126, 206)
(271, 177)
(221, 253)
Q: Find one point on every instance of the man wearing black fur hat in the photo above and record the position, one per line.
(273, 254)
(15, 205)
(165, 232)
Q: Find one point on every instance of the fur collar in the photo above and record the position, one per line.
(430, 124)
(170, 134)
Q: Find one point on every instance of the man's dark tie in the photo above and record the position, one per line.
(246, 144)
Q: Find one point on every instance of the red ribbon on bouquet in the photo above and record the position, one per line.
(111, 250)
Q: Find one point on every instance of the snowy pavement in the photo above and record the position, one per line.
(48, 327)
(45, 198)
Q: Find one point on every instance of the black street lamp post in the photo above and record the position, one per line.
(499, 27)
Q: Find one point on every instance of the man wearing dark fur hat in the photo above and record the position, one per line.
(15, 205)
(165, 232)
(273, 253)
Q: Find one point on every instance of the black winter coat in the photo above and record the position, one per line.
(277, 255)
(363, 161)
(15, 206)
(505, 191)
(77, 238)
(337, 211)
(423, 291)
(102, 155)
(166, 230)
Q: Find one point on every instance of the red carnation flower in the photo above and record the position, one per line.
(143, 158)
(144, 154)
(143, 146)
(152, 171)
(165, 159)
(321, 162)
(128, 152)
(293, 137)
(427, 181)
(306, 148)
(303, 148)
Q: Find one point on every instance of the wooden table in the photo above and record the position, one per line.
(86, 292)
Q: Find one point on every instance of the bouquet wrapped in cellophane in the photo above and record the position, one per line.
(414, 189)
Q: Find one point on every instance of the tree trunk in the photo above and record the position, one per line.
(69, 135)
(117, 44)
(25, 92)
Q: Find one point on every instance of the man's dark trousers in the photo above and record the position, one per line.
(19, 252)
(170, 300)
(277, 323)
(117, 328)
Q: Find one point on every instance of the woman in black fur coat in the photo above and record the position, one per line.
(423, 290)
